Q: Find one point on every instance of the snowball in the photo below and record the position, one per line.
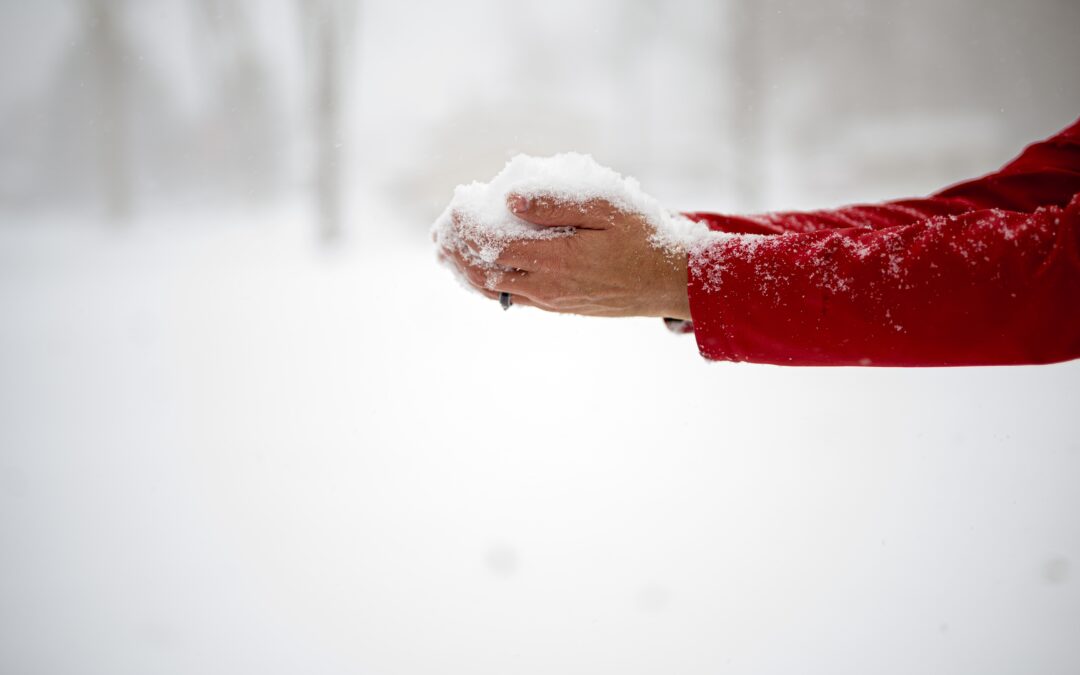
(568, 177)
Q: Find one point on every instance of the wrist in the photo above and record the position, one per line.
(675, 302)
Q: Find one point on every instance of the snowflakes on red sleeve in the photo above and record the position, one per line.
(985, 272)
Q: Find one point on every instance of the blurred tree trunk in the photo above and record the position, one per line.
(329, 30)
(328, 94)
(243, 129)
(111, 87)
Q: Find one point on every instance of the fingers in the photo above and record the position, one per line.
(520, 300)
(525, 254)
(595, 214)
(515, 282)
(525, 289)
(515, 298)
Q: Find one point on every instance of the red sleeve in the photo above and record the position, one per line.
(986, 272)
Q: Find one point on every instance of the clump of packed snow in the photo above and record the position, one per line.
(479, 211)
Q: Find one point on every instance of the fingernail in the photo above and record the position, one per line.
(519, 204)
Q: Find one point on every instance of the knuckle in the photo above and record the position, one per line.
(549, 208)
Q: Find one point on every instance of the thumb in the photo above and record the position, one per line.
(595, 214)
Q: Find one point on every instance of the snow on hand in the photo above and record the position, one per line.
(571, 178)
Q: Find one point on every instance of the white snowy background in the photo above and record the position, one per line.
(247, 424)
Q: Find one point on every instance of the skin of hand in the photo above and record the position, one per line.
(607, 267)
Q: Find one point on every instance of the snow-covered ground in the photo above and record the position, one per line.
(226, 450)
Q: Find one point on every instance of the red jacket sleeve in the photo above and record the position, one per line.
(985, 272)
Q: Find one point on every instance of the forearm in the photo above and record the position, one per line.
(985, 287)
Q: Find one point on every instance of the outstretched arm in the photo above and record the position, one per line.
(984, 272)
(987, 287)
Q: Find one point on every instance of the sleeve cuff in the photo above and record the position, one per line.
(679, 326)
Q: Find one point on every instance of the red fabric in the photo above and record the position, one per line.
(986, 272)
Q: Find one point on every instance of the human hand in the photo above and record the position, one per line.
(607, 267)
